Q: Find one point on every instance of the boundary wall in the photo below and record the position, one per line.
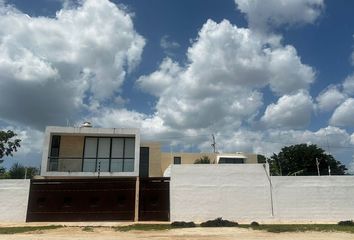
(14, 200)
(246, 193)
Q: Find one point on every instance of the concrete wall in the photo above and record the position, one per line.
(243, 193)
(325, 198)
(232, 191)
(13, 200)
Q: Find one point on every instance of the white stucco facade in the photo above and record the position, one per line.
(313, 198)
(244, 193)
(203, 192)
(14, 200)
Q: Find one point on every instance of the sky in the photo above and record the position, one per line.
(259, 75)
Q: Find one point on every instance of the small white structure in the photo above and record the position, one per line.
(237, 158)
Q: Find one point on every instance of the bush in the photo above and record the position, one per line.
(254, 224)
(218, 222)
(346, 223)
(183, 224)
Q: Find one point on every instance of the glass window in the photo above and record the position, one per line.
(90, 155)
(128, 165)
(117, 165)
(104, 147)
(129, 147)
(90, 147)
(176, 160)
(231, 160)
(117, 147)
(89, 165)
(109, 154)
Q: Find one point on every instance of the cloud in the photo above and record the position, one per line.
(53, 68)
(348, 85)
(291, 111)
(330, 98)
(344, 114)
(274, 13)
(158, 81)
(222, 90)
(168, 45)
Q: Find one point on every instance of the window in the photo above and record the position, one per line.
(176, 160)
(54, 153)
(231, 160)
(106, 154)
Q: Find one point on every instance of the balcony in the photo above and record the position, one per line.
(77, 164)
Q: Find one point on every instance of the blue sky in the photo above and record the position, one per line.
(258, 74)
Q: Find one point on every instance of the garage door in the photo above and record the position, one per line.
(82, 200)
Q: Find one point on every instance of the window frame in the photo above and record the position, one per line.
(177, 158)
(123, 158)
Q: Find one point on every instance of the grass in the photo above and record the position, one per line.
(14, 230)
(88, 229)
(143, 227)
(279, 228)
(274, 228)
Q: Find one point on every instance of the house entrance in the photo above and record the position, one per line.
(154, 199)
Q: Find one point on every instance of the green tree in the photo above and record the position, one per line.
(8, 143)
(203, 160)
(17, 171)
(261, 158)
(301, 159)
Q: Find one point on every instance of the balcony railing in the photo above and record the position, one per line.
(78, 164)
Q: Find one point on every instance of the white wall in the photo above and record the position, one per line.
(233, 191)
(242, 193)
(13, 200)
(325, 198)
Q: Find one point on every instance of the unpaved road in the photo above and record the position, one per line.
(105, 233)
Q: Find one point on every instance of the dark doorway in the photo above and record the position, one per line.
(144, 162)
(154, 199)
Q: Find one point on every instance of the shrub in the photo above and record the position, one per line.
(254, 224)
(183, 224)
(219, 222)
(346, 223)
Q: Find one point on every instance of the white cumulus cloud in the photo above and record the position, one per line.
(273, 13)
(219, 87)
(330, 98)
(291, 111)
(344, 114)
(50, 68)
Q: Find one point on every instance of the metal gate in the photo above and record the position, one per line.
(81, 200)
(154, 199)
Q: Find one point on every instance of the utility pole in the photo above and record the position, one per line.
(318, 167)
(213, 145)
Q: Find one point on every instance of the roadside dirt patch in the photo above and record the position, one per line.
(107, 233)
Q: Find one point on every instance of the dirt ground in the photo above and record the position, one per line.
(106, 233)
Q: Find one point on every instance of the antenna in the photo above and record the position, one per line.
(213, 145)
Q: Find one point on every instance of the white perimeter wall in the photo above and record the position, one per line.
(325, 198)
(243, 193)
(13, 200)
(203, 192)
